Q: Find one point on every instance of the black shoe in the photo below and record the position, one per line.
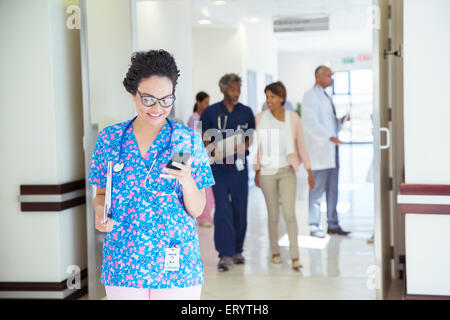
(238, 258)
(225, 264)
(318, 234)
(338, 231)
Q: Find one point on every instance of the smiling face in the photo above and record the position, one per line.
(273, 101)
(158, 87)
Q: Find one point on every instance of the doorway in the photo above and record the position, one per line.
(351, 93)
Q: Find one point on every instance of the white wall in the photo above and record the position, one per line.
(426, 84)
(252, 46)
(33, 123)
(259, 55)
(110, 49)
(67, 103)
(427, 255)
(296, 71)
(167, 25)
(215, 52)
(40, 121)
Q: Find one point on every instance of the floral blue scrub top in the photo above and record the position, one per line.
(150, 211)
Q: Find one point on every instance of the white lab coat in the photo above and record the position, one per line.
(319, 125)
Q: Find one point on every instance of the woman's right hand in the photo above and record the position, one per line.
(99, 204)
(311, 180)
(257, 179)
(99, 225)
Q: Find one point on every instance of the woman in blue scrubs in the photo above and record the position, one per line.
(151, 250)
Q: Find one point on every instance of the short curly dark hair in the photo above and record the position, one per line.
(145, 64)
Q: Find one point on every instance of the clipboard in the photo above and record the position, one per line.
(226, 146)
(107, 206)
(347, 115)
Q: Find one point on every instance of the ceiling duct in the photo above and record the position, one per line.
(297, 24)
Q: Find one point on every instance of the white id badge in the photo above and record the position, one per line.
(239, 164)
(172, 260)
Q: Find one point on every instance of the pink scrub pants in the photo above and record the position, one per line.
(210, 205)
(125, 293)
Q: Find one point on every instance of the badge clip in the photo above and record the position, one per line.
(118, 167)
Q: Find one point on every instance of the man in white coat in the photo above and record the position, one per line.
(321, 128)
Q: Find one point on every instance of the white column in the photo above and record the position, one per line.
(426, 98)
(41, 139)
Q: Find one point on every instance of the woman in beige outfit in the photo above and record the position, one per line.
(281, 150)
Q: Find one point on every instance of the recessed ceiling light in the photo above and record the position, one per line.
(204, 21)
(205, 12)
(220, 2)
(254, 19)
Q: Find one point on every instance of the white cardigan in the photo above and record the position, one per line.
(295, 143)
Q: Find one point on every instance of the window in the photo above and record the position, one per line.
(251, 90)
(352, 92)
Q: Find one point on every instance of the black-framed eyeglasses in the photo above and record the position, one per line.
(150, 101)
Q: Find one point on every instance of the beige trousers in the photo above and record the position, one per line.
(281, 185)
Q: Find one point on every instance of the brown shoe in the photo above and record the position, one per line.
(238, 258)
(338, 231)
(296, 265)
(276, 258)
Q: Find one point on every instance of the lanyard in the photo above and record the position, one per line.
(219, 124)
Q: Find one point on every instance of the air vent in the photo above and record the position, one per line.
(296, 24)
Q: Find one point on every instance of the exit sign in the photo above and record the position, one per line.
(364, 57)
(348, 60)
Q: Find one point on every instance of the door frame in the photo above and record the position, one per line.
(381, 158)
(397, 152)
(95, 289)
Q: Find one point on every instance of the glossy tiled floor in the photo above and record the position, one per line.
(334, 268)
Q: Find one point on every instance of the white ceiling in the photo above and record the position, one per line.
(348, 28)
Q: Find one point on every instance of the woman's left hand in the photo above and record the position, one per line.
(193, 198)
(184, 174)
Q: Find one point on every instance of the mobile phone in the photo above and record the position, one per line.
(180, 157)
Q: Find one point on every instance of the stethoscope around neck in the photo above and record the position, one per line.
(120, 164)
(225, 116)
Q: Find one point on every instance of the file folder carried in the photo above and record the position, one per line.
(107, 207)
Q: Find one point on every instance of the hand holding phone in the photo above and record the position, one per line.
(180, 157)
(179, 167)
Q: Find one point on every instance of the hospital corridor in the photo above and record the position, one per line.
(224, 153)
(335, 268)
